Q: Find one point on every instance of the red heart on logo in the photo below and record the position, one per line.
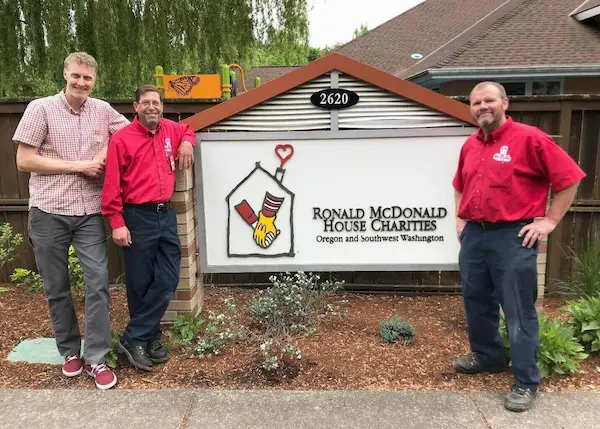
(284, 152)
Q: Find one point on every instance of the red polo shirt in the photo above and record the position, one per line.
(507, 176)
(139, 168)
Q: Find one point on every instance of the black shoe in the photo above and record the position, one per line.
(157, 352)
(470, 365)
(136, 354)
(519, 399)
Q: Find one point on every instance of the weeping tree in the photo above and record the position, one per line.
(129, 38)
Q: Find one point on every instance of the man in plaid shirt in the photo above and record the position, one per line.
(63, 142)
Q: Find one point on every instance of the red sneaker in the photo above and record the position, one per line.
(105, 378)
(72, 366)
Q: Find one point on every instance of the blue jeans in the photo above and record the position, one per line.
(497, 270)
(152, 264)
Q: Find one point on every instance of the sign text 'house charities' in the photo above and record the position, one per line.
(379, 224)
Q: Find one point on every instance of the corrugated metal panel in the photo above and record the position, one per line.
(379, 109)
(291, 111)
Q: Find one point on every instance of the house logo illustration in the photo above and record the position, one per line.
(260, 213)
(503, 155)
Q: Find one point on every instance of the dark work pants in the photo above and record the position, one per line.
(497, 270)
(151, 270)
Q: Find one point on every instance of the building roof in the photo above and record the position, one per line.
(319, 67)
(266, 74)
(587, 5)
(479, 33)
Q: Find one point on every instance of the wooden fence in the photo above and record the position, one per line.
(14, 191)
(573, 121)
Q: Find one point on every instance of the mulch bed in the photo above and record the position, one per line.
(346, 353)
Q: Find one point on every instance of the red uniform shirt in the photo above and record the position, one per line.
(139, 168)
(507, 177)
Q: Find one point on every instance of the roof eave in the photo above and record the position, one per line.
(332, 61)
(514, 72)
(587, 14)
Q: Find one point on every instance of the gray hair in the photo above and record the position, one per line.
(81, 58)
(498, 86)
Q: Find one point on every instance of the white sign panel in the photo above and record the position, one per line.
(355, 204)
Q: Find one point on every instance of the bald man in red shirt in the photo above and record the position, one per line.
(504, 174)
(139, 182)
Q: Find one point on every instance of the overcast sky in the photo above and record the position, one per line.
(333, 21)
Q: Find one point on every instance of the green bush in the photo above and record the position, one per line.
(75, 271)
(584, 318)
(398, 330)
(112, 356)
(185, 329)
(221, 329)
(559, 351)
(586, 279)
(34, 282)
(8, 244)
(29, 278)
(293, 303)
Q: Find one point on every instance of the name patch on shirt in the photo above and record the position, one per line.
(503, 155)
(169, 153)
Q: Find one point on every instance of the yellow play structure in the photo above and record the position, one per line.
(201, 86)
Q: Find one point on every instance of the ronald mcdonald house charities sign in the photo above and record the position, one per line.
(356, 202)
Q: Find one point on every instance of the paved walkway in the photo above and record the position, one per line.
(216, 409)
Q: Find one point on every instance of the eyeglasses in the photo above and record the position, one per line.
(147, 103)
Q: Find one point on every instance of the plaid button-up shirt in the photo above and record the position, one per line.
(58, 132)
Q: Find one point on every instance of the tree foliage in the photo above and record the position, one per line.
(129, 38)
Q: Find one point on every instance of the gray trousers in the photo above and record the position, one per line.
(50, 236)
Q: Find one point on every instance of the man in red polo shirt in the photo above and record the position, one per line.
(502, 182)
(139, 182)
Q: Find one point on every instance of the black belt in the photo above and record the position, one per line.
(503, 224)
(153, 207)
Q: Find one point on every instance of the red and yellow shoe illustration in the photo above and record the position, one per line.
(265, 231)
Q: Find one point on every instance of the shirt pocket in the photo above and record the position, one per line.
(501, 175)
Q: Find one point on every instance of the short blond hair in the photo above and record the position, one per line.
(498, 86)
(81, 58)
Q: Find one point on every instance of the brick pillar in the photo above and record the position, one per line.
(542, 257)
(189, 295)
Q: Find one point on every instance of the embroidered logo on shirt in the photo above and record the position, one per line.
(503, 155)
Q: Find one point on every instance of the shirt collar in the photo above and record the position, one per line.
(497, 134)
(66, 104)
(146, 131)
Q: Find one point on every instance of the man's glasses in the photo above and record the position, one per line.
(147, 103)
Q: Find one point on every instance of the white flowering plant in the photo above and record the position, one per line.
(292, 305)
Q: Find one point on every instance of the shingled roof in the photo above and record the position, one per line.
(479, 33)
(266, 74)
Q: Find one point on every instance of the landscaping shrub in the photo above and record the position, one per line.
(29, 278)
(584, 318)
(75, 271)
(8, 244)
(112, 356)
(586, 278)
(290, 306)
(207, 338)
(185, 329)
(398, 330)
(293, 303)
(34, 282)
(559, 351)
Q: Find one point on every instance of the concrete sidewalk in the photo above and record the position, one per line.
(215, 409)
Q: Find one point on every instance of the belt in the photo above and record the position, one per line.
(503, 224)
(153, 207)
